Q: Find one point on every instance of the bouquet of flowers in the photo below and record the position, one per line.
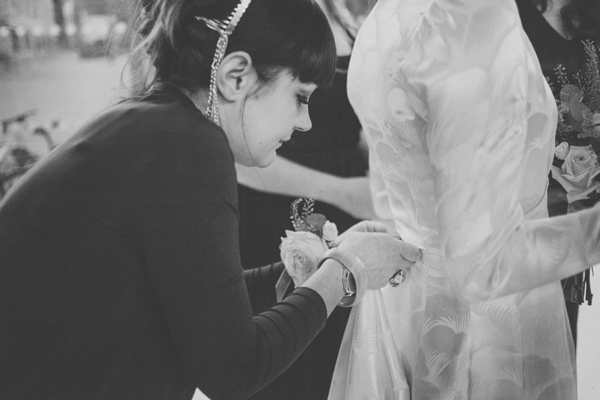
(302, 248)
(576, 165)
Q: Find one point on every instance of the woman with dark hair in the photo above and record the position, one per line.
(556, 29)
(331, 159)
(121, 275)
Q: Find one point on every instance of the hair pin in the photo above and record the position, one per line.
(224, 28)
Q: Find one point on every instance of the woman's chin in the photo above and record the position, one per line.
(264, 162)
(258, 161)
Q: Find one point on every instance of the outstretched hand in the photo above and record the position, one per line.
(381, 253)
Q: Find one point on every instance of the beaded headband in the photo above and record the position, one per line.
(224, 28)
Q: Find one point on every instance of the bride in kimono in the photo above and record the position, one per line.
(460, 125)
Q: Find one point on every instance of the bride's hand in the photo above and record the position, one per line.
(382, 255)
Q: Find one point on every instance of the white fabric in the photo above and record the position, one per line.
(460, 125)
(343, 42)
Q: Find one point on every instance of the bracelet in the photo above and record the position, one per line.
(355, 266)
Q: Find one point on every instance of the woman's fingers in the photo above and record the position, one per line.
(362, 226)
(373, 226)
(382, 255)
(409, 252)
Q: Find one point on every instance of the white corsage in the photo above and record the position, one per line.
(302, 248)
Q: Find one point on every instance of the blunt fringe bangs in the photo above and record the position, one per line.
(277, 34)
(306, 45)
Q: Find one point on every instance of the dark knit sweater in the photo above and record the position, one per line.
(120, 273)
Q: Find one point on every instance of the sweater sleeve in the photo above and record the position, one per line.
(260, 283)
(185, 221)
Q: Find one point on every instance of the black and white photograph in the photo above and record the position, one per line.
(299, 199)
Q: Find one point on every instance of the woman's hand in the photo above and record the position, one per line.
(381, 253)
(362, 226)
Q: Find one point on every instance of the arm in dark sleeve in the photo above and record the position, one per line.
(260, 283)
(186, 223)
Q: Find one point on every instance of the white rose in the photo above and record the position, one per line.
(580, 167)
(300, 252)
(561, 150)
(330, 231)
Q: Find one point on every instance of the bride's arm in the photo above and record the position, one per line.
(475, 86)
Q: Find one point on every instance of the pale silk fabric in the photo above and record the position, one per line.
(460, 125)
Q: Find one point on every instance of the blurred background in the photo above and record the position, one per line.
(90, 27)
(63, 61)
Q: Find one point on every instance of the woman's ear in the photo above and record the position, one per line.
(236, 76)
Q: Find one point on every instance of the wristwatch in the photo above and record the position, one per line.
(354, 278)
(348, 282)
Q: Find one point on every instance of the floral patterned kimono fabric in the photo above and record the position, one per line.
(460, 124)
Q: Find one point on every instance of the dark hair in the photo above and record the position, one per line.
(277, 34)
(580, 17)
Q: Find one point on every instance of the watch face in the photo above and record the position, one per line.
(349, 283)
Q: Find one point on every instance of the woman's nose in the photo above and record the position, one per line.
(303, 122)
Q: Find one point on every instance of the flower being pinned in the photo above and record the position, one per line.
(302, 248)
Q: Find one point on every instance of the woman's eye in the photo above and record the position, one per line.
(302, 99)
